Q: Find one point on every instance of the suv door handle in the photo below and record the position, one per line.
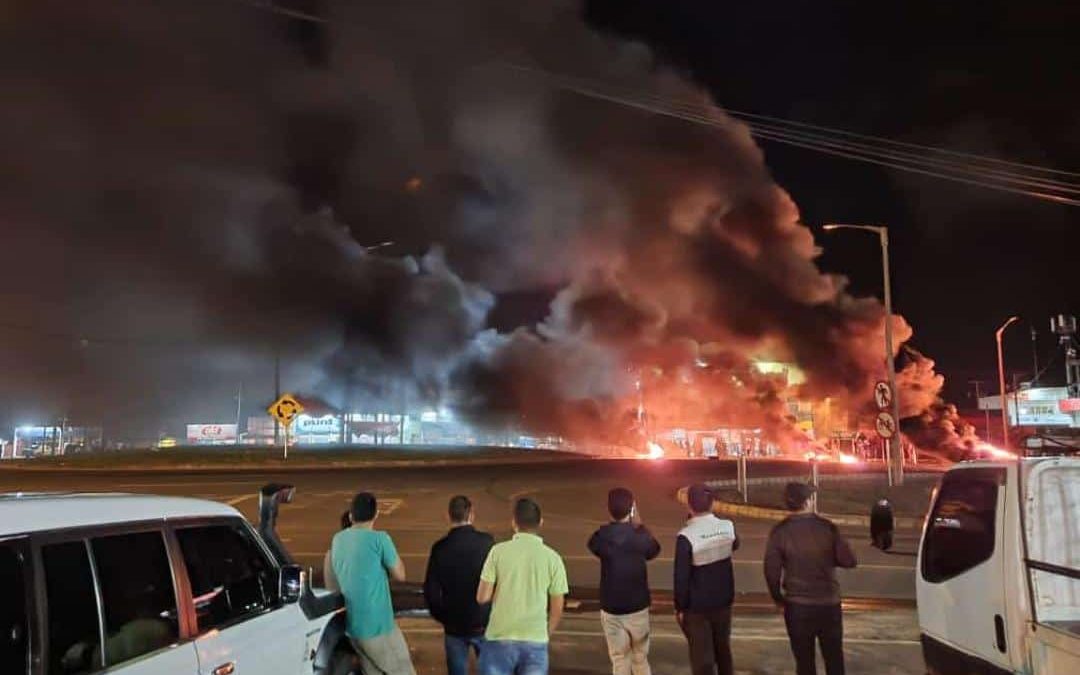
(225, 669)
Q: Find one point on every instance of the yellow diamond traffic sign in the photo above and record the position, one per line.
(285, 409)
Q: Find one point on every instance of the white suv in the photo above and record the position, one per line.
(164, 585)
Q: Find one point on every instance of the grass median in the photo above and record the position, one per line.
(912, 499)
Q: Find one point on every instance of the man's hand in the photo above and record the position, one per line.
(780, 605)
(679, 617)
(635, 516)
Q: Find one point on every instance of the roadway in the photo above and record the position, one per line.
(571, 493)
(881, 635)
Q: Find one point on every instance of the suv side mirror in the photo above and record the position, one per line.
(290, 583)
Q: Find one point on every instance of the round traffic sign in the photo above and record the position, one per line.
(883, 395)
(885, 425)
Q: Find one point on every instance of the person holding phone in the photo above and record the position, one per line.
(624, 547)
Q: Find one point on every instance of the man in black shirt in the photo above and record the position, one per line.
(705, 584)
(624, 546)
(453, 574)
(801, 558)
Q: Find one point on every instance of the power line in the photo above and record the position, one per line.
(274, 8)
(882, 157)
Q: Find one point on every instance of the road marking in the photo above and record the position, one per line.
(239, 500)
(680, 636)
(388, 506)
(587, 558)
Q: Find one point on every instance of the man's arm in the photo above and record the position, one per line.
(555, 611)
(650, 547)
(774, 565)
(845, 557)
(433, 590)
(393, 563)
(329, 578)
(485, 592)
(488, 576)
(596, 545)
(684, 561)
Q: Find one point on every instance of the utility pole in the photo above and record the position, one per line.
(894, 448)
(1035, 356)
(978, 402)
(239, 397)
(1001, 382)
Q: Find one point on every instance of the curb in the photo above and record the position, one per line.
(766, 513)
(284, 466)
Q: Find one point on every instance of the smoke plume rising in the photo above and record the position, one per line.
(193, 188)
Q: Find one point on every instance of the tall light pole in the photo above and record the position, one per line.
(1001, 382)
(895, 459)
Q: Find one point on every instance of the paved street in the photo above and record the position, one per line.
(572, 494)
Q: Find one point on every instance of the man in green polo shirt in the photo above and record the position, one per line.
(525, 580)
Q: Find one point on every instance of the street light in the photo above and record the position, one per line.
(1001, 382)
(895, 454)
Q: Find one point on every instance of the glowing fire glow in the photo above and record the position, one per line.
(848, 459)
(655, 450)
(995, 452)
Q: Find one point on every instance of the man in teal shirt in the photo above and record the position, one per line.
(525, 581)
(360, 563)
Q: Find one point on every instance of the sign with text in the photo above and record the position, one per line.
(201, 434)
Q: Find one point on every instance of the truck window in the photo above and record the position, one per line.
(74, 638)
(231, 577)
(137, 594)
(961, 531)
(13, 620)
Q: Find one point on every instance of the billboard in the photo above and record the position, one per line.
(311, 429)
(211, 434)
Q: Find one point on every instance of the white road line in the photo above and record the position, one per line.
(680, 636)
(587, 558)
(239, 500)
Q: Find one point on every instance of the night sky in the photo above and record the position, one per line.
(996, 78)
(185, 185)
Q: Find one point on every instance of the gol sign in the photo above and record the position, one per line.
(211, 433)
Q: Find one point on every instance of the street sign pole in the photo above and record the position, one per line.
(285, 455)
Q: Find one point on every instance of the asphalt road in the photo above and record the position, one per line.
(881, 636)
(572, 494)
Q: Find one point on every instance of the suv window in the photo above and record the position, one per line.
(136, 593)
(231, 577)
(73, 633)
(962, 526)
(13, 623)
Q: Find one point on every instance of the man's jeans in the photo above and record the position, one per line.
(810, 624)
(514, 657)
(457, 653)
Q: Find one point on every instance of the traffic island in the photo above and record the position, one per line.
(846, 499)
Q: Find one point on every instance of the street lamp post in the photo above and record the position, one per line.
(1001, 382)
(895, 459)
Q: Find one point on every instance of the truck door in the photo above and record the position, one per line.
(242, 626)
(960, 583)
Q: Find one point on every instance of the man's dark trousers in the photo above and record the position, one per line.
(709, 635)
(809, 624)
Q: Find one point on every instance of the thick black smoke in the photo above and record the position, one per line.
(190, 188)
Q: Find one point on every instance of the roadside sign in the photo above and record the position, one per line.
(285, 409)
(883, 395)
(885, 425)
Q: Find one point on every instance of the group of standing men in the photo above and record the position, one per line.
(503, 601)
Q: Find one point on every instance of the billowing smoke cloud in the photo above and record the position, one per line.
(194, 186)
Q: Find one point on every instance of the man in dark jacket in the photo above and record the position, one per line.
(453, 574)
(624, 546)
(705, 584)
(803, 553)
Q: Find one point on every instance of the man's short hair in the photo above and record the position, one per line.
(699, 498)
(796, 495)
(364, 507)
(526, 514)
(619, 502)
(459, 509)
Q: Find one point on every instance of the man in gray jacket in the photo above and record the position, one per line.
(802, 555)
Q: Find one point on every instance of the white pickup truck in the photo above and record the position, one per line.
(144, 585)
(998, 576)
